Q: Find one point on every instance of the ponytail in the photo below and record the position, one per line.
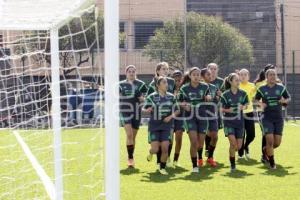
(186, 79)
(228, 80)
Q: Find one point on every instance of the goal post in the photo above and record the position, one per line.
(56, 112)
(111, 45)
(40, 115)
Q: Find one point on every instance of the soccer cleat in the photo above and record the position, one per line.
(176, 164)
(273, 166)
(247, 156)
(240, 157)
(195, 170)
(169, 164)
(149, 157)
(232, 168)
(163, 172)
(211, 162)
(200, 162)
(158, 166)
(247, 153)
(130, 163)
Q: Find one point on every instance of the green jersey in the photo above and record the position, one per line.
(162, 106)
(271, 96)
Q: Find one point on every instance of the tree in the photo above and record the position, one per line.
(209, 39)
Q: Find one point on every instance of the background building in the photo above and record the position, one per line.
(139, 19)
(259, 20)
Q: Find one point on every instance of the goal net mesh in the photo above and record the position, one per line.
(27, 144)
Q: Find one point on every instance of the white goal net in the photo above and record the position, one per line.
(51, 100)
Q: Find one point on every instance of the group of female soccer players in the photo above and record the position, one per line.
(201, 103)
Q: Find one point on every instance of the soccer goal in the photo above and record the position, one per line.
(55, 65)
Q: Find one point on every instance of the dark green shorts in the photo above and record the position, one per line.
(198, 125)
(213, 125)
(237, 132)
(178, 125)
(272, 127)
(133, 120)
(160, 136)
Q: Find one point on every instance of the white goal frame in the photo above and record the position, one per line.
(10, 20)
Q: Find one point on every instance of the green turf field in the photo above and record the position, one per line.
(82, 161)
(83, 170)
(252, 180)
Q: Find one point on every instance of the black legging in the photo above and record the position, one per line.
(263, 141)
(249, 132)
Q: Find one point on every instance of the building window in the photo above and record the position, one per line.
(1, 40)
(122, 35)
(143, 31)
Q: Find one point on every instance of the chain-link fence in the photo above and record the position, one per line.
(293, 83)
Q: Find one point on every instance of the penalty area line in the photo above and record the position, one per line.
(48, 184)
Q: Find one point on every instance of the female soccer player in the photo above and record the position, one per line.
(162, 69)
(212, 115)
(178, 123)
(273, 96)
(218, 82)
(249, 135)
(233, 102)
(260, 81)
(192, 96)
(163, 109)
(132, 92)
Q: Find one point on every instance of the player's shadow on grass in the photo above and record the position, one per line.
(248, 162)
(279, 172)
(237, 174)
(156, 177)
(177, 170)
(129, 171)
(205, 173)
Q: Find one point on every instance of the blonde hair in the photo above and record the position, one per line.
(212, 64)
(244, 70)
(130, 67)
(159, 66)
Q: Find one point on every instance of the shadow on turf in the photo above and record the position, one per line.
(279, 172)
(156, 177)
(205, 173)
(248, 162)
(237, 174)
(130, 171)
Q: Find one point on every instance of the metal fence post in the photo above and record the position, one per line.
(294, 86)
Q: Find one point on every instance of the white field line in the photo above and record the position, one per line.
(48, 184)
